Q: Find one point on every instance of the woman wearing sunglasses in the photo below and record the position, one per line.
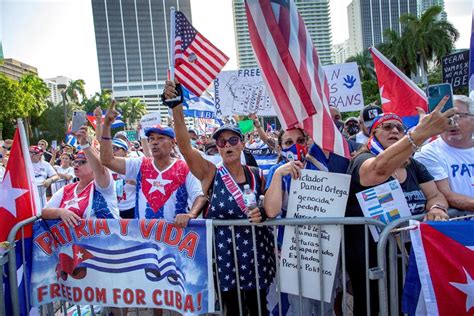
(386, 157)
(224, 186)
(93, 196)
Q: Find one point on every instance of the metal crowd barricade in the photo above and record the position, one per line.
(3, 265)
(55, 186)
(297, 223)
(395, 233)
(42, 194)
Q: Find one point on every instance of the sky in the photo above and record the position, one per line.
(57, 36)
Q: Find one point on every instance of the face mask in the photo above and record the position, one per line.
(352, 130)
(257, 139)
(193, 142)
(295, 152)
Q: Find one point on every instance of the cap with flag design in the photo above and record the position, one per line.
(36, 150)
(80, 156)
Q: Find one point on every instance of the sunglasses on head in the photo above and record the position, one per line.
(77, 163)
(234, 140)
(389, 126)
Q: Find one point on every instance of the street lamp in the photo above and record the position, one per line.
(62, 88)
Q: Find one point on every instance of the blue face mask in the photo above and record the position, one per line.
(295, 152)
(193, 142)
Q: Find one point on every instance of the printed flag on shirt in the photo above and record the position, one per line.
(444, 253)
(195, 106)
(292, 71)
(19, 200)
(398, 93)
(196, 60)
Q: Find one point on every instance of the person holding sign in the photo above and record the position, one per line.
(294, 157)
(225, 186)
(165, 185)
(386, 157)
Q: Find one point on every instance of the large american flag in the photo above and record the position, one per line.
(196, 60)
(292, 71)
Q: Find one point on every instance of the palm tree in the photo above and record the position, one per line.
(365, 63)
(132, 110)
(395, 48)
(101, 99)
(74, 89)
(429, 38)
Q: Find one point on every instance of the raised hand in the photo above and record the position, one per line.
(292, 168)
(169, 90)
(111, 114)
(82, 135)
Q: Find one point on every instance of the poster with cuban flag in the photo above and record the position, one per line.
(124, 263)
(440, 277)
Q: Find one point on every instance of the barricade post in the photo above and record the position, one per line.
(388, 295)
(12, 273)
(3, 262)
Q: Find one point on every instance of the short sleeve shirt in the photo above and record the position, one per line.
(162, 194)
(42, 170)
(447, 162)
(92, 202)
(416, 175)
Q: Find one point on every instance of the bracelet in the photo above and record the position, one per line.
(412, 142)
(106, 138)
(84, 146)
(439, 206)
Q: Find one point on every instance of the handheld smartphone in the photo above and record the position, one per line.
(436, 92)
(54, 144)
(78, 119)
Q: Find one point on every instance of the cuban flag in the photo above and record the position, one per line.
(116, 124)
(442, 276)
(198, 106)
(142, 257)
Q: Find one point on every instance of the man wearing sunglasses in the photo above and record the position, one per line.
(450, 158)
(166, 186)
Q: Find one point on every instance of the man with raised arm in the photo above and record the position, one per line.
(165, 185)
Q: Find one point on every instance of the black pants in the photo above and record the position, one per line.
(130, 213)
(249, 299)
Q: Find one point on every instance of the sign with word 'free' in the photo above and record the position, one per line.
(243, 91)
(124, 263)
(313, 194)
(456, 69)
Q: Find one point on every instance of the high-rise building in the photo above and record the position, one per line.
(57, 85)
(15, 69)
(315, 14)
(132, 38)
(424, 5)
(341, 52)
(368, 19)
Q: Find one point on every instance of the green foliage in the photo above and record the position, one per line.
(101, 99)
(370, 90)
(132, 111)
(50, 125)
(74, 89)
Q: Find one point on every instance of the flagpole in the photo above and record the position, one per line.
(29, 166)
(172, 42)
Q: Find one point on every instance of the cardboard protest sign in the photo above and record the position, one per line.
(314, 194)
(124, 263)
(385, 202)
(456, 69)
(241, 92)
(345, 87)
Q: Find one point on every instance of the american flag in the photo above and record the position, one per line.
(196, 60)
(292, 71)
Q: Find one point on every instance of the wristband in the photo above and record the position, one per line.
(172, 103)
(84, 146)
(439, 206)
(106, 138)
(412, 142)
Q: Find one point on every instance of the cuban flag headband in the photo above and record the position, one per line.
(373, 143)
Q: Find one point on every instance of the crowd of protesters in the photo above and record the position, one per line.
(178, 174)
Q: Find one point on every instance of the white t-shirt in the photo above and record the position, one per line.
(162, 194)
(135, 154)
(42, 170)
(92, 202)
(444, 161)
(361, 138)
(126, 192)
(67, 171)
